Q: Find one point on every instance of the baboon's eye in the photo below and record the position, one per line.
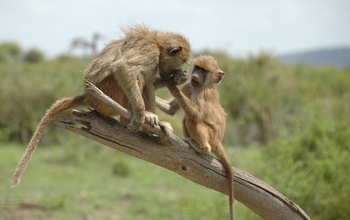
(200, 69)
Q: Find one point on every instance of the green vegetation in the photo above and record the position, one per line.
(315, 162)
(287, 125)
(10, 52)
(33, 56)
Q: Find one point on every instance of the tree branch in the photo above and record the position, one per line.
(159, 130)
(177, 156)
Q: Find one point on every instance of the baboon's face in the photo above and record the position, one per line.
(205, 72)
(175, 53)
(199, 76)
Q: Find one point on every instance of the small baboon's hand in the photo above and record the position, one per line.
(151, 118)
(180, 77)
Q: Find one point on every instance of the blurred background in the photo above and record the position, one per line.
(286, 94)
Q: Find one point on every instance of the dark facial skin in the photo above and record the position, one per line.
(198, 76)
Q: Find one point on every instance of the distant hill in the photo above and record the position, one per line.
(337, 57)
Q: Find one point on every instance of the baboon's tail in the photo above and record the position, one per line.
(230, 175)
(59, 106)
(231, 188)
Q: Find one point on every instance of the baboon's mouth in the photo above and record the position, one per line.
(194, 81)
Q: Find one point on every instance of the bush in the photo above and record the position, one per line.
(33, 56)
(263, 97)
(66, 58)
(10, 52)
(311, 168)
(27, 90)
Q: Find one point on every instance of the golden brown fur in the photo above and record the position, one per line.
(205, 120)
(125, 70)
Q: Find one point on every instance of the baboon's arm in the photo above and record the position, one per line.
(169, 107)
(186, 104)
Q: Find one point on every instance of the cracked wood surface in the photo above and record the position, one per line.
(177, 156)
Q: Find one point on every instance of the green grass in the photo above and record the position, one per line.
(80, 179)
(287, 125)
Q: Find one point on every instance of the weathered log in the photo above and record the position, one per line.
(175, 155)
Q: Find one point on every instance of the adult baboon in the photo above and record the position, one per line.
(125, 70)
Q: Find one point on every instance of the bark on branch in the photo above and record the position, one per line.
(177, 156)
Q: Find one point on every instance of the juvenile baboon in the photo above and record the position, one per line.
(125, 70)
(205, 120)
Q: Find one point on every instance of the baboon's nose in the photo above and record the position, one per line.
(195, 78)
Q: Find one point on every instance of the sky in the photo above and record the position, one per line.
(237, 27)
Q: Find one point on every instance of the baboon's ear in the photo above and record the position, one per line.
(175, 50)
(219, 77)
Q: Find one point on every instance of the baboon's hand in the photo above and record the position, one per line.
(166, 127)
(134, 127)
(151, 118)
(180, 77)
(136, 121)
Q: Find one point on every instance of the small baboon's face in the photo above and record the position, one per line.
(205, 72)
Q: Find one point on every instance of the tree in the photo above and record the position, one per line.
(33, 56)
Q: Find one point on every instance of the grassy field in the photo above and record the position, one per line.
(79, 179)
(287, 125)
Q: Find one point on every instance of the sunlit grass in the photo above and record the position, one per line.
(77, 179)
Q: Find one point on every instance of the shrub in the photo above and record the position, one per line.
(263, 97)
(311, 168)
(10, 52)
(27, 90)
(33, 56)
